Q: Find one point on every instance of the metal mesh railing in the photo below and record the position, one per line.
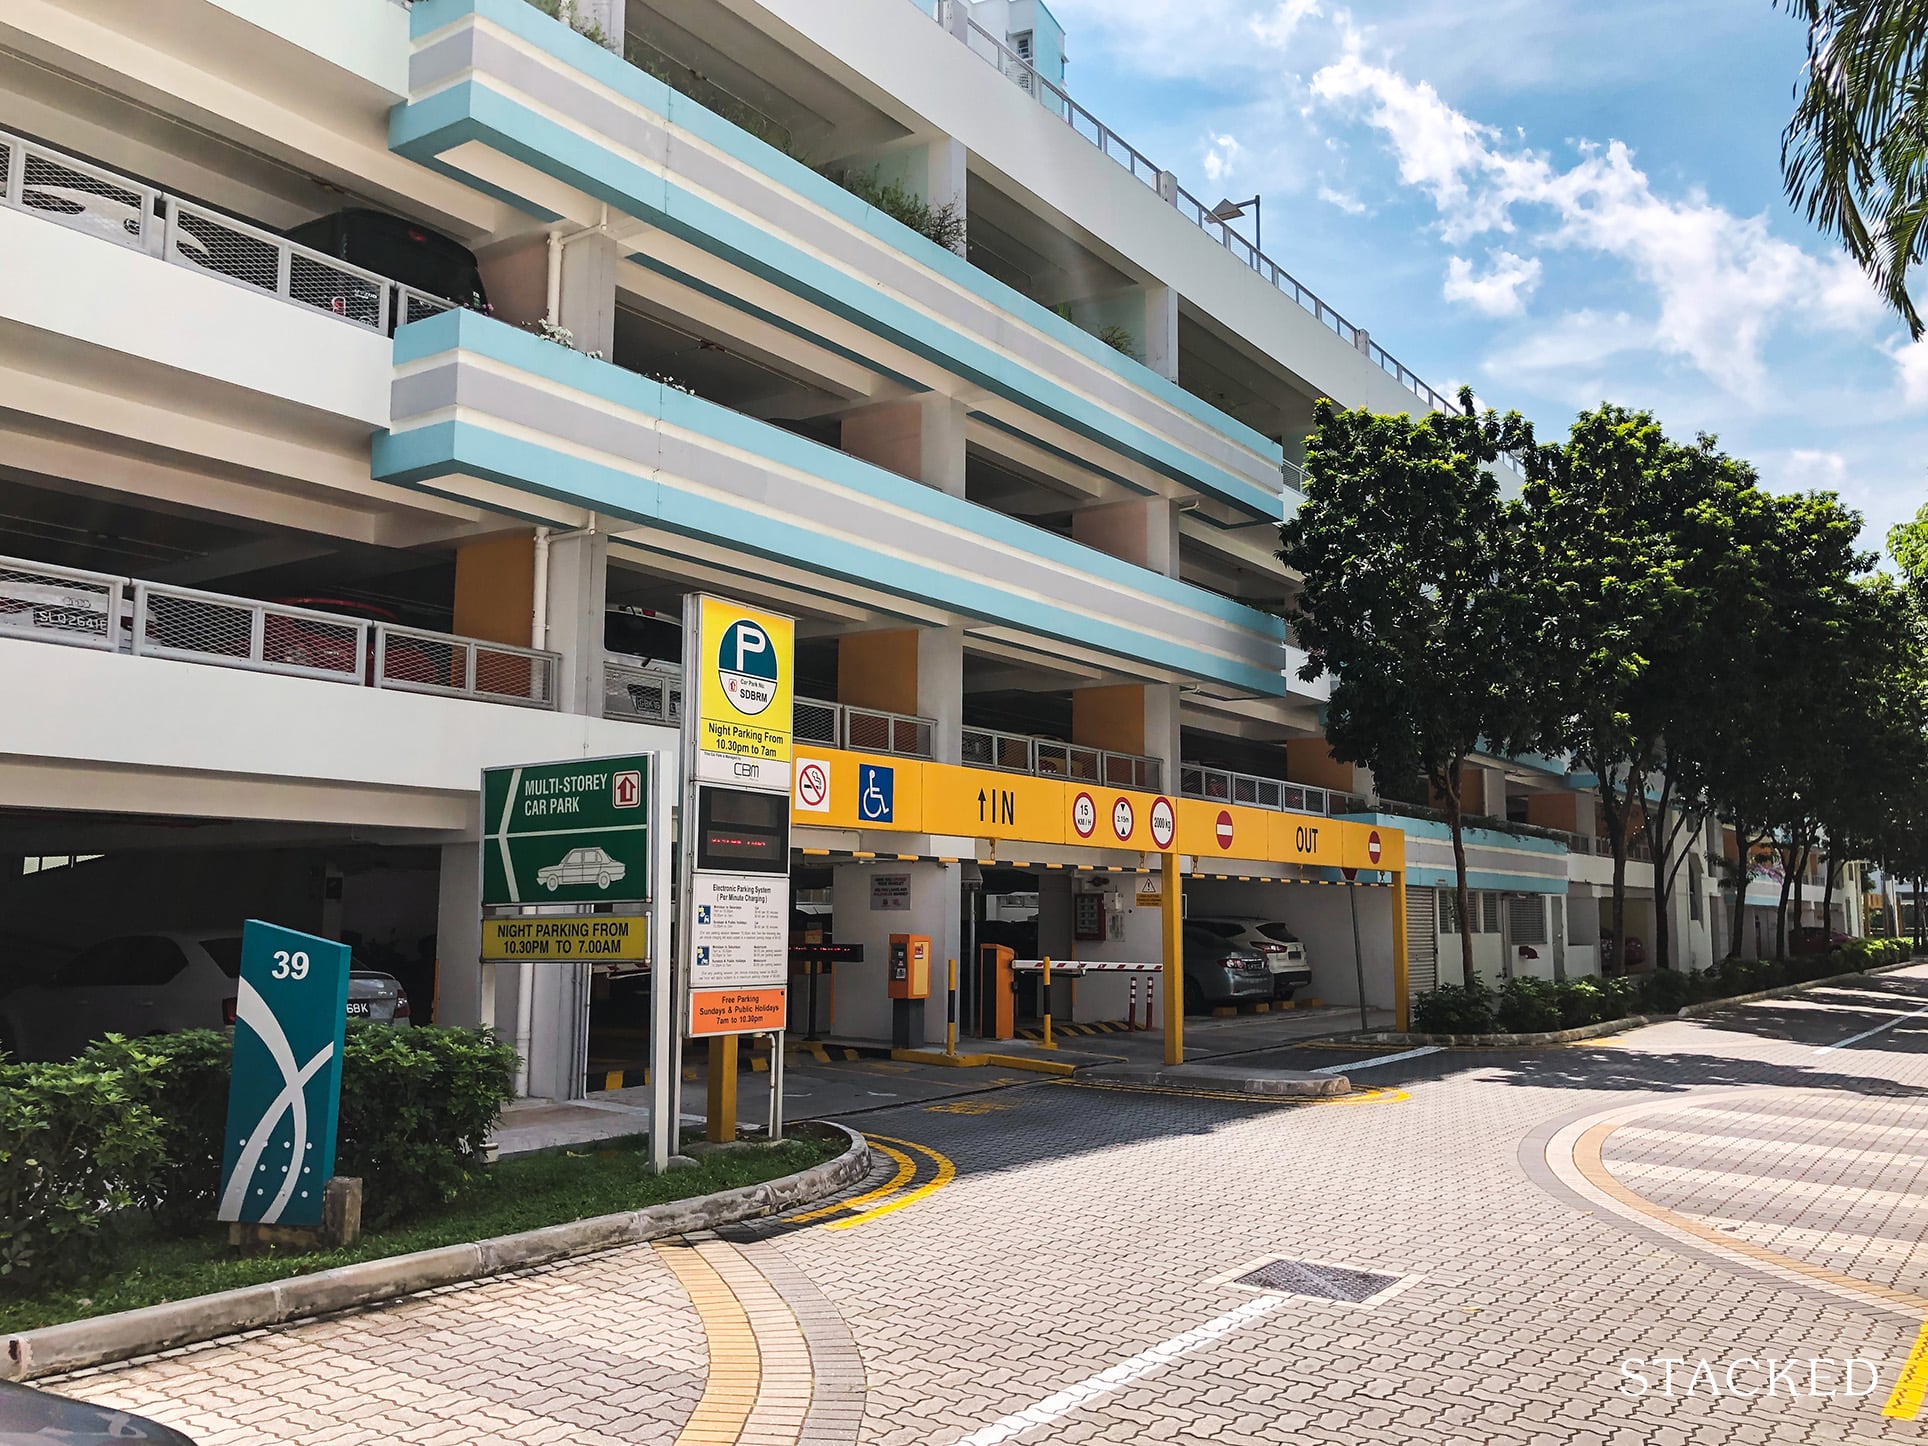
(1222, 785)
(205, 627)
(117, 208)
(1052, 758)
(100, 610)
(420, 662)
(264, 261)
(60, 604)
(815, 721)
(871, 730)
(79, 195)
(643, 694)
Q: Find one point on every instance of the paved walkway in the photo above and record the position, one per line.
(1681, 1237)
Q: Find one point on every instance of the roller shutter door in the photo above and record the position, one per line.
(1422, 941)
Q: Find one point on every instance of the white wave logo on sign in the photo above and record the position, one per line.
(747, 666)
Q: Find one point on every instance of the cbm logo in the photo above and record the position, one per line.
(747, 664)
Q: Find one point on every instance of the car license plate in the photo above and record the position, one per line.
(359, 1009)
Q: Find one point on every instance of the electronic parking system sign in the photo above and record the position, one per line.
(284, 1097)
(567, 833)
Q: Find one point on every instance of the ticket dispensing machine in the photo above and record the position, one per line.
(996, 996)
(910, 985)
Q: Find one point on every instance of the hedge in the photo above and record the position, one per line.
(1525, 1005)
(138, 1124)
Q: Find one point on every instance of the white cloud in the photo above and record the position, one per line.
(1809, 468)
(1911, 367)
(1221, 158)
(1721, 282)
(1351, 205)
(1501, 290)
(1277, 29)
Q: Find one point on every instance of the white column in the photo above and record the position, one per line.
(607, 16)
(578, 590)
(589, 290)
(1143, 531)
(458, 937)
(940, 689)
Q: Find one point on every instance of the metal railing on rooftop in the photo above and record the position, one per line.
(102, 203)
(1055, 98)
(155, 620)
(1050, 758)
(1222, 785)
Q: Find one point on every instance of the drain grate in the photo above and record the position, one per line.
(1321, 1282)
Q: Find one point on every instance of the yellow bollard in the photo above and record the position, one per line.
(721, 1125)
(1045, 1001)
(950, 1020)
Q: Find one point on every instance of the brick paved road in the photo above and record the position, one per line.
(1088, 1231)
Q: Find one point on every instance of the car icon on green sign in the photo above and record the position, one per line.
(582, 866)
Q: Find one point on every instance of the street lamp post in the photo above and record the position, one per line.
(1232, 210)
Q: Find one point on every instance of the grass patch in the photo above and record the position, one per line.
(523, 1193)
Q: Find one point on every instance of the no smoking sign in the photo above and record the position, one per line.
(813, 786)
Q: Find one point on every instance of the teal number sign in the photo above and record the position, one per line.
(286, 1093)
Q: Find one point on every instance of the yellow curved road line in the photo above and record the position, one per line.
(1905, 1401)
(1362, 1097)
(906, 1167)
(946, 1172)
(1589, 1159)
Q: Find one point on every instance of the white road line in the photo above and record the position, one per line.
(1116, 1378)
(1375, 1063)
(1870, 1033)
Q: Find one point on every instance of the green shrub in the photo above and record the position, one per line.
(1581, 1001)
(188, 1092)
(1454, 1009)
(1528, 1005)
(1661, 992)
(77, 1143)
(943, 224)
(416, 1107)
(1621, 997)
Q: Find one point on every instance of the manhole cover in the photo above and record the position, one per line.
(1321, 1282)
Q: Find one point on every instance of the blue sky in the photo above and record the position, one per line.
(1558, 202)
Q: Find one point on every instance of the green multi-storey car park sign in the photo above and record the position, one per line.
(567, 833)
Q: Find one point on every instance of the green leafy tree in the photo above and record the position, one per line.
(1855, 154)
(1411, 602)
(1627, 614)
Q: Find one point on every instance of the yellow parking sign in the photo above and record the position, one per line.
(746, 661)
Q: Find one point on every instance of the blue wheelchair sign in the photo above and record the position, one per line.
(877, 794)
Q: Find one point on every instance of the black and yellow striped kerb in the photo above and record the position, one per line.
(1099, 1026)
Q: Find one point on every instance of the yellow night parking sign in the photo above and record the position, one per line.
(746, 664)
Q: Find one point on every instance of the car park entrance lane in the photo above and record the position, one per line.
(1086, 1230)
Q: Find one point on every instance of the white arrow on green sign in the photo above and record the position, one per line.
(567, 833)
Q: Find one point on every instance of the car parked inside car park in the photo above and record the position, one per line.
(1282, 950)
(160, 983)
(1218, 971)
(1816, 939)
(33, 1417)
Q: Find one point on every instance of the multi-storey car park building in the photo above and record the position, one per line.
(304, 521)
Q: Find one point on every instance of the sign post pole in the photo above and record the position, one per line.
(1358, 959)
(776, 1085)
(665, 1031)
(1172, 933)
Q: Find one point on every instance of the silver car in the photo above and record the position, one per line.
(1281, 949)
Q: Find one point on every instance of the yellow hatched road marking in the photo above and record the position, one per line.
(946, 1172)
(1905, 1401)
(906, 1167)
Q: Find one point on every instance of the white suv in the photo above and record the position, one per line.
(1281, 949)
